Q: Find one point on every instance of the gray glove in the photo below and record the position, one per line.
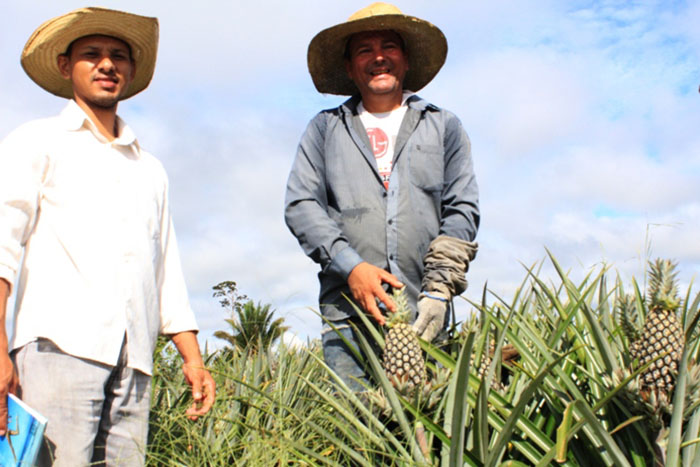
(432, 313)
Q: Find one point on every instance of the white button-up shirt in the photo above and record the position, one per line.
(100, 256)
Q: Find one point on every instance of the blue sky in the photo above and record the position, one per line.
(584, 118)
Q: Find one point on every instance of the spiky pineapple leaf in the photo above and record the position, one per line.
(663, 289)
(370, 325)
(456, 408)
(626, 314)
(390, 392)
(676, 433)
(602, 345)
(497, 448)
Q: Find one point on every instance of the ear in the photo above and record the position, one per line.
(348, 68)
(64, 67)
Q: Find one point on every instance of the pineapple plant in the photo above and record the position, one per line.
(481, 363)
(661, 340)
(425, 397)
(403, 358)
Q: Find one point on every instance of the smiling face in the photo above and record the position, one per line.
(377, 63)
(100, 69)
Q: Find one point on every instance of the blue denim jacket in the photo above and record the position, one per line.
(341, 214)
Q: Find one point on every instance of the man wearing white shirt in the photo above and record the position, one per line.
(101, 275)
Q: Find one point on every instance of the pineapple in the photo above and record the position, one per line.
(662, 333)
(508, 354)
(403, 357)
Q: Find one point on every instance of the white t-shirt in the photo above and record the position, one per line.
(382, 131)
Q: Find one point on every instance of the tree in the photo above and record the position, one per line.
(230, 298)
(252, 325)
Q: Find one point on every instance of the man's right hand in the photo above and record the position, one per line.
(9, 382)
(365, 281)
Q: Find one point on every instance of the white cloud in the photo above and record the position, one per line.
(583, 118)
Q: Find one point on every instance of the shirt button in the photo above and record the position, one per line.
(384, 194)
(390, 222)
(391, 257)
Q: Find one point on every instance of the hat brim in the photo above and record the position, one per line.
(425, 44)
(39, 56)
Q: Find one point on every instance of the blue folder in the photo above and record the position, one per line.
(25, 433)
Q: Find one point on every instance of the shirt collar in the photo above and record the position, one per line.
(74, 119)
(412, 100)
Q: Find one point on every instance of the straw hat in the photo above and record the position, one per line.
(54, 36)
(425, 43)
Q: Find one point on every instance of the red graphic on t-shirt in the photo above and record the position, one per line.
(378, 140)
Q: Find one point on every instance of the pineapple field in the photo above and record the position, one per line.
(601, 371)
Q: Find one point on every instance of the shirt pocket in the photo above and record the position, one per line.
(427, 167)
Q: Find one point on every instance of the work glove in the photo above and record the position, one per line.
(445, 265)
(432, 313)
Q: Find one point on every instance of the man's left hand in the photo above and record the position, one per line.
(432, 312)
(203, 389)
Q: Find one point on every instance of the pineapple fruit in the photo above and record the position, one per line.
(403, 358)
(662, 333)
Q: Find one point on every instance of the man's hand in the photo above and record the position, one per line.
(9, 382)
(432, 312)
(203, 389)
(365, 281)
(196, 375)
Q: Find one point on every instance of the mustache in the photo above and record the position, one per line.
(106, 76)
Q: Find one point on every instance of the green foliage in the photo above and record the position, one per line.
(260, 416)
(252, 325)
(253, 328)
(571, 397)
(229, 296)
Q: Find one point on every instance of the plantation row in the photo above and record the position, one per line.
(594, 373)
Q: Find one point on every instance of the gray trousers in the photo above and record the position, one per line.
(97, 414)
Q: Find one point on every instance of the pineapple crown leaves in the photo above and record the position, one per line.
(403, 311)
(627, 315)
(471, 324)
(663, 289)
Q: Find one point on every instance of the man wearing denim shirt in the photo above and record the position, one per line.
(382, 191)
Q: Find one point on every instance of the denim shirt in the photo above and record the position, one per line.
(341, 214)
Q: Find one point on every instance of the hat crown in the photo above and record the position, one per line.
(375, 9)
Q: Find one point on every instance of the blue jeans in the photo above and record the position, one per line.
(96, 413)
(340, 358)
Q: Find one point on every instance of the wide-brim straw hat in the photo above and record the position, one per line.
(425, 44)
(39, 56)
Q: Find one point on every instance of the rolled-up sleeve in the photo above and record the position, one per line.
(22, 171)
(307, 206)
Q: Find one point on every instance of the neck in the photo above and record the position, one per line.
(104, 118)
(383, 102)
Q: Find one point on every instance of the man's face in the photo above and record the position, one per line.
(100, 68)
(377, 63)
